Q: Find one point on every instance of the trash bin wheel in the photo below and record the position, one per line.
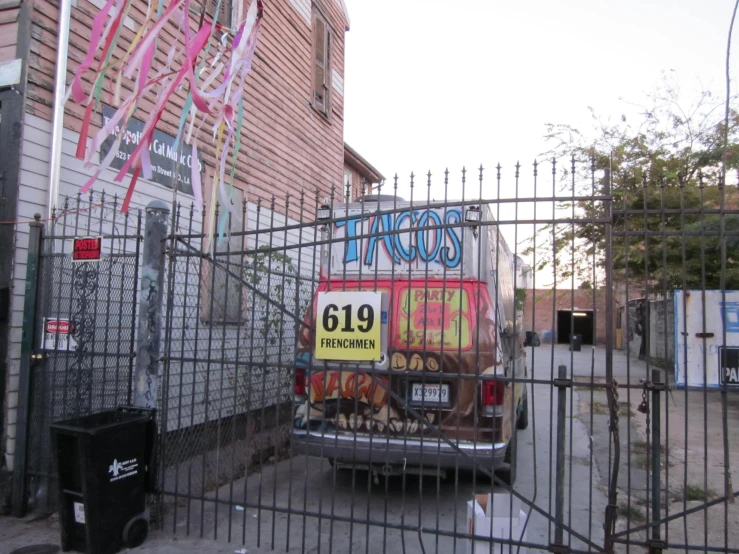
(135, 532)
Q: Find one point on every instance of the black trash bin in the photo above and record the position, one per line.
(103, 464)
(575, 343)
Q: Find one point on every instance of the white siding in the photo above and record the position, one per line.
(342, 5)
(303, 7)
(338, 82)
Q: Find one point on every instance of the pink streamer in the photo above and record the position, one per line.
(220, 102)
(105, 164)
(96, 37)
(138, 54)
(193, 51)
(201, 38)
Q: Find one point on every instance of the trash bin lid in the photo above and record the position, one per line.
(101, 421)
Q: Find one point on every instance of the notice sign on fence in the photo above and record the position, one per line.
(87, 249)
(729, 366)
(57, 335)
(706, 338)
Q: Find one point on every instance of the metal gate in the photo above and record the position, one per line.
(354, 375)
(275, 444)
(80, 347)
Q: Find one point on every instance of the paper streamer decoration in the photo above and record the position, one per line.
(218, 96)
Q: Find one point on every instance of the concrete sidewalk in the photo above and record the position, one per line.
(44, 532)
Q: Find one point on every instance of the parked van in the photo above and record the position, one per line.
(411, 350)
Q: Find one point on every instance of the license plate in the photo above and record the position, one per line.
(429, 393)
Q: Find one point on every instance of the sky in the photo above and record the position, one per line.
(431, 84)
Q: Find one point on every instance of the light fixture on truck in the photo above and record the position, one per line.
(493, 393)
(472, 214)
(323, 213)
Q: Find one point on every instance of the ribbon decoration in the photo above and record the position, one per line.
(216, 101)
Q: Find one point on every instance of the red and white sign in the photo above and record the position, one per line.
(87, 249)
(57, 334)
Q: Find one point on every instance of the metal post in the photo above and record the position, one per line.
(57, 126)
(146, 379)
(656, 545)
(24, 378)
(561, 440)
(609, 525)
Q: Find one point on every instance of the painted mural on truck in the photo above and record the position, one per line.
(435, 335)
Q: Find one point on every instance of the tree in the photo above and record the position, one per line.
(670, 210)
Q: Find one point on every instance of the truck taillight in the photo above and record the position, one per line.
(300, 382)
(492, 393)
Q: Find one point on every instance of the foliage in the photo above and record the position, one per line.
(274, 282)
(692, 493)
(520, 299)
(276, 277)
(664, 170)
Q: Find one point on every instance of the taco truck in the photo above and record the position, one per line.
(409, 355)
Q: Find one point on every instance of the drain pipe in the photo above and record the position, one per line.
(60, 86)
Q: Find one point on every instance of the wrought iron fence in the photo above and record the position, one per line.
(84, 330)
(358, 374)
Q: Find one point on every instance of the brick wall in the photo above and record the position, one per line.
(9, 13)
(542, 304)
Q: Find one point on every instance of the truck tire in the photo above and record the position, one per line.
(523, 416)
(508, 475)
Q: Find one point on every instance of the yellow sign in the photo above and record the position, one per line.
(434, 317)
(348, 325)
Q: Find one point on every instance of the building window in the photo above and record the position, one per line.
(224, 11)
(321, 63)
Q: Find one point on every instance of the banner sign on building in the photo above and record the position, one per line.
(167, 166)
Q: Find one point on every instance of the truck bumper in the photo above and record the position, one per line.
(358, 449)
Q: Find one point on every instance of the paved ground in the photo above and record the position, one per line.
(692, 451)
(432, 505)
(257, 519)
